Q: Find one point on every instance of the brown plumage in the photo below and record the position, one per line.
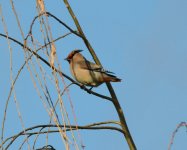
(88, 73)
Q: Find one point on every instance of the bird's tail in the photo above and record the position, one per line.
(116, 79)
(111, 78)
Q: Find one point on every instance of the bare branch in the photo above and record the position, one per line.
(182, 124)
(61, 73)
(115, 101)
(94, 126)
(51, 15)
(19, 71)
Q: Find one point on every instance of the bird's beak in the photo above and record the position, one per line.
(67, 59)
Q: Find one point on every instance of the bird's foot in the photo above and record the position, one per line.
(82, 86)
(89, 91)
(91, 88)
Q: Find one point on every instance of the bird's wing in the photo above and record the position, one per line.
(93, 67)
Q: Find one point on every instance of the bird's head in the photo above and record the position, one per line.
(70, 56)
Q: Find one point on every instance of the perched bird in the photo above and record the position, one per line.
(88, 73)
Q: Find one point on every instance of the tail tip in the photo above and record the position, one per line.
(118, 80)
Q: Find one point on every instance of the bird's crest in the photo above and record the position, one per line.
(70, 56)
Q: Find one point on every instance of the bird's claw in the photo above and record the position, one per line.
(89, 90)
(82, 86)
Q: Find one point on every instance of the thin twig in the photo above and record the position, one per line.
(25, 140)
(182, 124)
(37, 135)
(11, 77)
(51, 15)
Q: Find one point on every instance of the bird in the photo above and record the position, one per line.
(88, 73)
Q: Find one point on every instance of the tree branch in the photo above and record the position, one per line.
(57, 19)
(182, 124)
(115, 101)
(94, 126)
(61, 73)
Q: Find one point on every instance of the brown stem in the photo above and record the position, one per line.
(109, 86)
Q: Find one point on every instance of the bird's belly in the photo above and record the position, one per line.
(88, 78)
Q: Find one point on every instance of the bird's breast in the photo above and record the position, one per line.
(86, 77)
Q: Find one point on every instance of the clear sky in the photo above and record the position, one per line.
(143, 42)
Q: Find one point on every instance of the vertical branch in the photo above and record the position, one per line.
(109, 86)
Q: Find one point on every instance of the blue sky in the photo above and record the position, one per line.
(143, 42)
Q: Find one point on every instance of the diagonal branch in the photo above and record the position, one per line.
(61, 73)
(57, 19)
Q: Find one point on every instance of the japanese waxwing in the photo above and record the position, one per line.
(88, 73)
